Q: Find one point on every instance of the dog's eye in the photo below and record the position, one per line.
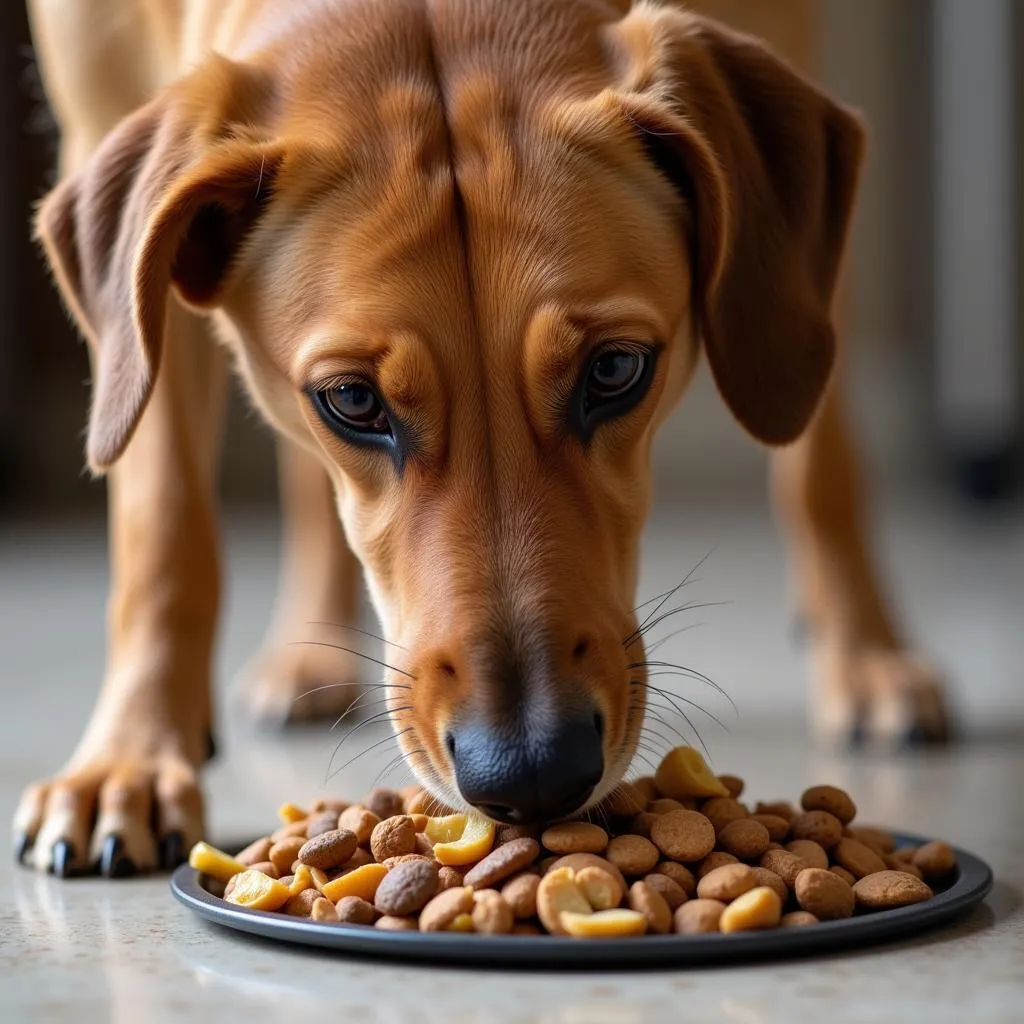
(356, 407)
(612, 383)
(613, 374)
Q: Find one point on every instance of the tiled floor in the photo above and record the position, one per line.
(90, 950)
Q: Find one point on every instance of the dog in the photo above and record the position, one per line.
(465, 255)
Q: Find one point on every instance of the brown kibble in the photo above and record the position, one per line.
(796, 919)
(393, 837)
(625, 801)
(355, 910)
(329, 804)
(357, 860)
(424, 847)
(733, 783)
(713, 860)
(385, 803)
(406, 888)
(390, 923)
(726, 883)
(491, 914)
(285, 853)
(641, 824)
(328, 850)
(506, 833)
(823, 894)
(779, 808)
(428, 804)
(292, 830)
(632, 855)
(934, 860)
(811, 852)
(680, 874)
(756, 909)
(894, 862)
(858, 859)
(520, 893)
(419, 822)
(301, 904)
(819, 826)
(672, 892)
(448, 878)
(574, 837)
(683, 835)
(323, 910)
(445, 907)
(646, 900)
(360, 821)
(842, 873)
(404, 858)
(720, 810)
(778, 828)
(744, 838)
(266, 867)
(324, 821)
(503, 861)
(785, 864)
(600, 887)
(255, 853)
(664, 804)
(883, 890)
(762, 876)
(831, 799)
(775, 846)
(698, 917)
(877, 839)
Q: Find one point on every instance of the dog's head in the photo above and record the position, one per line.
(471, 266)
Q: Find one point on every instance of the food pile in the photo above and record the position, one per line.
(680, 853)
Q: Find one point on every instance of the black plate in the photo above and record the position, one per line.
(970, 886)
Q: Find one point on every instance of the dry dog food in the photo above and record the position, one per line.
(681, 853)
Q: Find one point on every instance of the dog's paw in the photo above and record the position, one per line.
(114, 817)
(296, 683)
(877, 696)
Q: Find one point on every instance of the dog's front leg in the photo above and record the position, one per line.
(868, 685)
(128, 798)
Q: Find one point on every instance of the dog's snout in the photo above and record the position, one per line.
(528, 775)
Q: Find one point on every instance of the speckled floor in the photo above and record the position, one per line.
(126, 952)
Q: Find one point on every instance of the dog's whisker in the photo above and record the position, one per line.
(358, 654)
(372, 746)
(661, 604)
(375, 718)
(671, 636)
(681, 670)
(392, 764)
(355, 629)
(690, 606)
(673, 697)
(368, 686)
(357, 706)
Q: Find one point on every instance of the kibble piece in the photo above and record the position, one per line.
(406, 889)
(503, 861)
(428, 804)
(796, 919)
(758, 908)
(424, 847)
(680, 874)
(324, 821)
(392, 862)
(359, 820)
(810, 851)
(328, 850)
(296, 828)
(385, 803)
(556, 894)
(301, 904)
(744, 838)
(819, 826)
(644, 784)
(720, 811)
(672, 892)
(266, 867)
(600, 887)
(633, 855)
(858, 859)
(462, 923)
(894, 862)
(734, 784)
(357, 860)
(646, 900)
(578, 861)
(255, 853)
(257, 891)
(682, 772)
(778, 828)
(698, 917)
(664, 804)
(419, 822)
(506, 833)
(329, 804)
(391, 923)
(443, 908)
(824, 894)
(393, 837)
(290, 814)
(683, 835)
(625, 801)
(842, 873)
(934, 860)
(884, 890)
(726, 883)
(285, 853)
(785, 864)
(323, 910)
(877, 839)
(574, 837)
(214, 863)
(779, 808)
(641, 824)
(762, 876)
(362, 882)
(603, 924)
(520, 893)
(448, 878)
(491, 914)
(473, 843)
(713, 860)
(831, 799)
(354, 910)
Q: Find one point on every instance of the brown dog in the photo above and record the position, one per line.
(466, 255)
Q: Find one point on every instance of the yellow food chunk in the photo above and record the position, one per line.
(604, 924)
(302, 879)
(289, 814)
(446, 829)
(683, 772)
(361, 882)
(475, 842)
(461, 923)
(258, 891)
(213, 862)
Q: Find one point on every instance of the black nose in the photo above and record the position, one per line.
(521, 775)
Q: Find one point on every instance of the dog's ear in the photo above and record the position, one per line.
(166, 199)
(768, 166)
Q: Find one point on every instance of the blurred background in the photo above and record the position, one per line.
(933, 337)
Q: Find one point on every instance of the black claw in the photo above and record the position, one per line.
(21, 845)
(172, 850)
(114, 863)
(63, 857)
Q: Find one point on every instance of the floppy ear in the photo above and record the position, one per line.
(769, 166)
(165, 200)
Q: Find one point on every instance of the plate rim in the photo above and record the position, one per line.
(974, 882)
